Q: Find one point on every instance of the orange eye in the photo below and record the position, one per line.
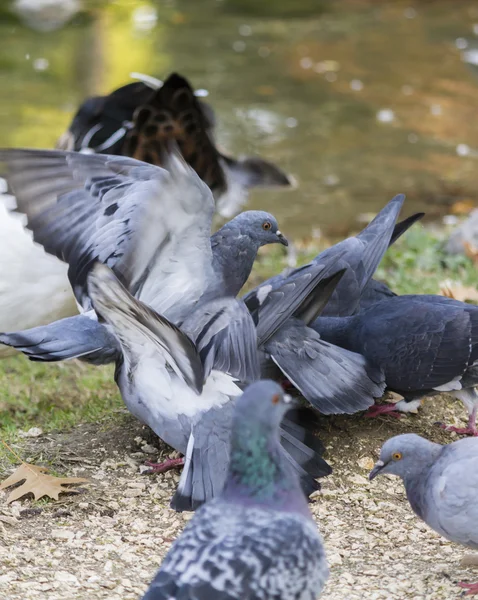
(275, 399)
(266, 225)
(397, 456)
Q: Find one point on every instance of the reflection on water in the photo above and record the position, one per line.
(358, 99)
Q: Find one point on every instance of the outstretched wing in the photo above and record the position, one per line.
(140, 331)
(148, 224)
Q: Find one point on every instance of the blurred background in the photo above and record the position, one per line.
(358, 99)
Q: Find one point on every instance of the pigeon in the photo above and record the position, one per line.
(423, 344)
(82, 208)
(141, 120)
(257, 539)
(181, 382)
(333, 380)
(441, 484)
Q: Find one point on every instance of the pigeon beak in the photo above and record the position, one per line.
(281, 238)
(376, 470)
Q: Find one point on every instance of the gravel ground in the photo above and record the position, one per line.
(108, 541)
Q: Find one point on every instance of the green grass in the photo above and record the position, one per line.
(53, 395)
(58, 396)
(415, 264)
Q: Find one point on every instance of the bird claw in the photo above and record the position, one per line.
(471, 588)
(163, 467)
(470, 430)
(382, 409)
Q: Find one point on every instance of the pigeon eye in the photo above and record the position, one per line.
(266, 225)
(397, 455)
(275, 399)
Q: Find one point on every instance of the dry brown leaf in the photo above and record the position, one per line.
(36, 481)
(459, 292)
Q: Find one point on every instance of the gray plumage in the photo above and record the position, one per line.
(150, 225)
(182, 389)
(257, 540)
(360, 255)
(441, 482)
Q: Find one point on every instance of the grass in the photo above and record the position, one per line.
(58, 396)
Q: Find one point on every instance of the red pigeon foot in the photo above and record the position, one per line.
(383, 409)
(471, 588)
(470, 430)
(164, 467)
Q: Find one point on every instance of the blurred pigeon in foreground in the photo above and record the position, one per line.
(141, 120)
(441, 484)
(183, 388)
(257, 540)
(151, 226)
(424, 345)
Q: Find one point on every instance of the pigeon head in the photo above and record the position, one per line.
(259, 226)
(259, 472)
(262, 406)
(405, 455)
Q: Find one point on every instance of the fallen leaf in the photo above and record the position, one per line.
(36, 481)
(459, 292)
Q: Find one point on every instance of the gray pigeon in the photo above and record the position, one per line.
(183, 386)
(151, 226)
(257, 540)
(441, 484)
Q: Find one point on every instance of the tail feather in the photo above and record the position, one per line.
(403, 226)
(332, 379)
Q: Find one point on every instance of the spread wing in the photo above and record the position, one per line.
(150, 225)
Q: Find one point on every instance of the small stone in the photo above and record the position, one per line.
(66, 577)
(132, 493)
(366, 463)
(62, 534)
(359, 480)
(148, 449)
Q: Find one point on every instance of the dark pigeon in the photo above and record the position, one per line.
(423, 345)
(441, 484)
(257, 539)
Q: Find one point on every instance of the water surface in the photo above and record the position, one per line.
(358, 99)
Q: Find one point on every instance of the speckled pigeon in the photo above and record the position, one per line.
(441, 484)
(182, 382)
(423, 345)
(151, 226)
(257, 540)
(141, 120)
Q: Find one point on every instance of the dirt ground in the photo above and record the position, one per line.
(108, 541)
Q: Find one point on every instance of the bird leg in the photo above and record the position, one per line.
(471, 588)
(383, 409)
(469, 399)
(165, 466)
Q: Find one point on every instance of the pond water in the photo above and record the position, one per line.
(359, 100)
